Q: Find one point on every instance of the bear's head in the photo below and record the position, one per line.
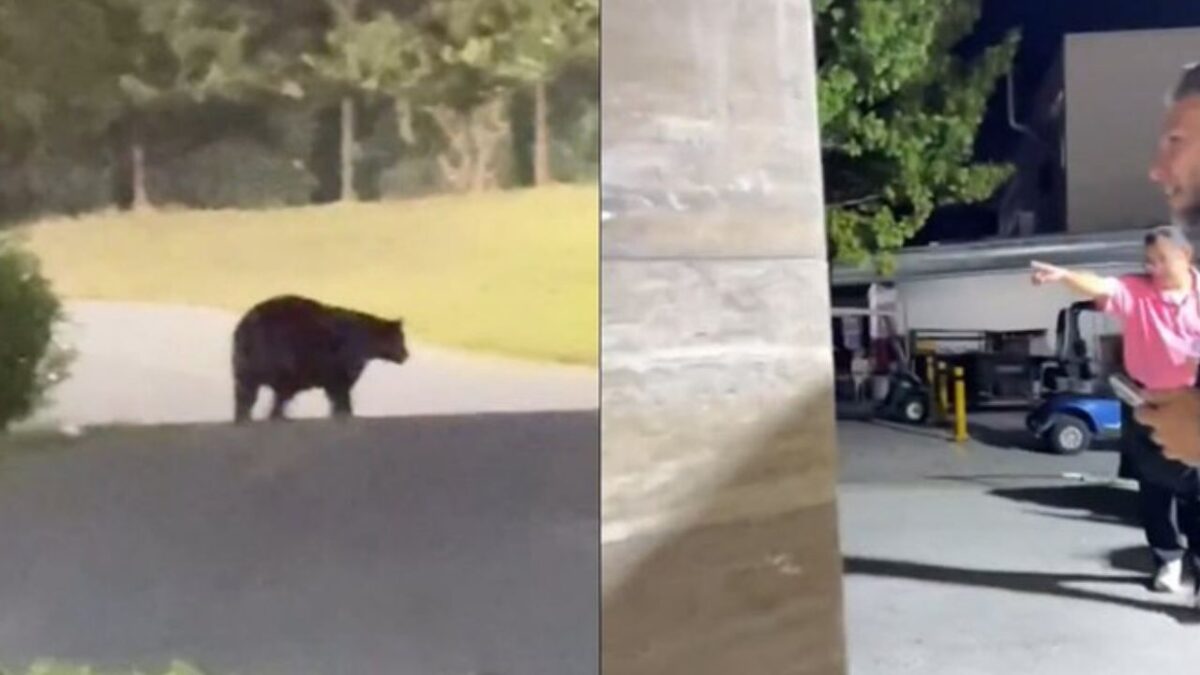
(390, 344)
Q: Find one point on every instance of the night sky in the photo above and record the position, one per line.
(1043, 24)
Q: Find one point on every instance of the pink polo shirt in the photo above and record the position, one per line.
(1161, 330)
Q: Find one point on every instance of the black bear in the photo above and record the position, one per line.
(292, 344)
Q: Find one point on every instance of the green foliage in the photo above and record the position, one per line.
(574, 135)
(899, 113)
(54, 61)
(380, 55)
(77, 67)
(99, 98)
(55, 182)
(31, 362)
(485, 47)
(483, 52)
(233, 173)
(410, 177)
(544, 35)
(400, 154)
(183, 51)
(69, 183)
(574, 117)
(575, 150)
(468, 43)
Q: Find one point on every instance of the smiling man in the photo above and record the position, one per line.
(1175, 415)
(1176, 165)
(1159, 312)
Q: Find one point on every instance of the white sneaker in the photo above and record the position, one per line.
(1169, 578)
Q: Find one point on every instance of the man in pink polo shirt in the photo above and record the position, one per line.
(1160, 315)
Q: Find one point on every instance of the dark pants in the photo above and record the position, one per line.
(1162, 484)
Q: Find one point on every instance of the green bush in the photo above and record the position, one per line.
(72, 184)
(48, 182)
(415, 177)
(575, 149)
(233, 173)
(31, 361)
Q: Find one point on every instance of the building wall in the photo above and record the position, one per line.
(719, 531)
(1000, 301)
(1115, 88)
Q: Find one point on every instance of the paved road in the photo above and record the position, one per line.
(985, 560)
(142, 363)
(883, 452)
(430, 546)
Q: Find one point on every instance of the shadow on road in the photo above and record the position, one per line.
(1132, 559)
(1038, 583)
(1096, 503)
(1004, 437)
(1009, 435)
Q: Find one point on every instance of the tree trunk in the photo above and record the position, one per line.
(468, 163)
(137, 159)
(541, 136)
(348, 151)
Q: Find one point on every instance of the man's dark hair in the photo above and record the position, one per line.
(1173, 234)
(1189, 83)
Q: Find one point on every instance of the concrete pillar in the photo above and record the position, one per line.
(720, 549)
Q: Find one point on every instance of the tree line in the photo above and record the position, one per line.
(250, 102)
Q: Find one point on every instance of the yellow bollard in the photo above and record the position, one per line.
(960, 406)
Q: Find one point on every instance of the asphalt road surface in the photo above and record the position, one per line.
(452, 545)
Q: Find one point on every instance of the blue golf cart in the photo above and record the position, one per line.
(1067, 424)
(1079, 408)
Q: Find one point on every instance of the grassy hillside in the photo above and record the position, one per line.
(513, 273)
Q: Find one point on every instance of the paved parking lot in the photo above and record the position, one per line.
(992, 558)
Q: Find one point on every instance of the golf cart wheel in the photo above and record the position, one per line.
(1069, 435)
(914, 410)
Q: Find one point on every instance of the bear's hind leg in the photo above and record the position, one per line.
(283, 396)
(340, 404)
(244, 396)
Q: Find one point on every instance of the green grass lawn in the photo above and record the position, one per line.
(514, 273)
